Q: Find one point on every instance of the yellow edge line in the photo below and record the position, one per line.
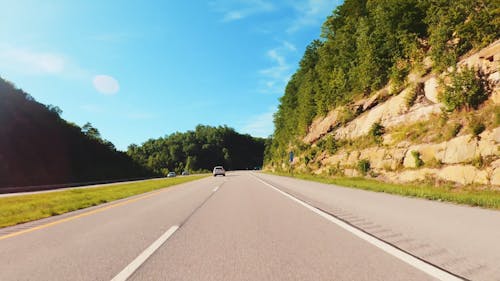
(79, 215)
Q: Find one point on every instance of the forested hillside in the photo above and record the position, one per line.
(38, 147)
(201, 149)
(369, 45)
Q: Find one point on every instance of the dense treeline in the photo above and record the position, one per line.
(38, 147)
(201, 149)
(365, 44)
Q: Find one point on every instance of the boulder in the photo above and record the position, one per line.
(495, 96)
(353, 158)
(403, 144)
(488, 148)
(352, 173)
(495, 80)
(495, 177)
(495, 173)
(428, 153)
(464, 174)
(486, 59)
(394, 158)
(335, 159)
(410, 161)
(409, 175)
(371, 101)
(428, 63)
(460, 150)
(494, 77)
(415, 175)
(491, 135)
(433, 152)
(361, 125)
(495, 164)
(431, 89)
(375, 155)
(321, 126)
(419, 112)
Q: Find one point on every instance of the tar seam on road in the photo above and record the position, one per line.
(137, 262)
(415, 261)
(215, 189)
(129, 270)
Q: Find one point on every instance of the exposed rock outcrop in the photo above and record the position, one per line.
(453, 155)
(322, 126)
(464, 174)
(495, 173)
(465, 159)
(361, 125)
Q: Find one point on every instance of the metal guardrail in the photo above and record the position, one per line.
(29, 188)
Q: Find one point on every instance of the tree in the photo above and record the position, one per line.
(54, 109)
(201, 149)
(365, 43)
(467, 89)
(91, 131)
(38, 147)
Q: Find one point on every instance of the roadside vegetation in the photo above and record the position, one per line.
(448, 125)
(448, 193)
(366, 45)
(200, 150)
(39, 147)
(25, 208)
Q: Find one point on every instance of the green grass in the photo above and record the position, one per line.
(467, 196)
(25, 208)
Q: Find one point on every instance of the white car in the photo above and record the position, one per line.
(219, 170)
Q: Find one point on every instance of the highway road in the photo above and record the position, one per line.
(253, 226)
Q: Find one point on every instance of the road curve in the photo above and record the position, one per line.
(227, 228)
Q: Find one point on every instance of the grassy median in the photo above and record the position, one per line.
(24, 208)
(466, 195)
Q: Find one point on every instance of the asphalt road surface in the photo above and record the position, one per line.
(252, 226)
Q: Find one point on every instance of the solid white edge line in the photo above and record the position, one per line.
(137, 262)
(215, 189)
(425, 267)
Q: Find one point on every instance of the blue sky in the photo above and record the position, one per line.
(144, 69)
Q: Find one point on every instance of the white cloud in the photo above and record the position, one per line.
(106, 84)
(275, 78)
(311, 13)
(289, 46)
(240, 9)
(32, 62)
(260, 125)
(233, 15)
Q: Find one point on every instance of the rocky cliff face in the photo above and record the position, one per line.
(416, 138)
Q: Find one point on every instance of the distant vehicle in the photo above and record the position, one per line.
(171, 175)
(219, 170)
(185, 173)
